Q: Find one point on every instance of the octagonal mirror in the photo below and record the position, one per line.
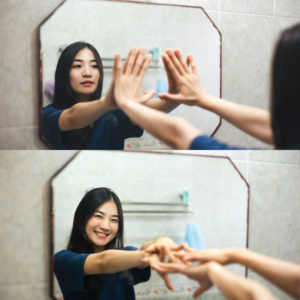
(161, 194)
(115, 26)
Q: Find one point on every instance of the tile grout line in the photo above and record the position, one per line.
(265, 162)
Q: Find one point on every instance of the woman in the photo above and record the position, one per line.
(96, 265)
(79, 117)
(210, 271)
(280, 127)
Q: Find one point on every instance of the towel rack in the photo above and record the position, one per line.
(158, 211)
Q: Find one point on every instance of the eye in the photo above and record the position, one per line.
(95, 66)
(115, 220)
(98, 216)
(77, 66)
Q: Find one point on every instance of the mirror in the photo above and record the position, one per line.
(151, 187)
(115, 26)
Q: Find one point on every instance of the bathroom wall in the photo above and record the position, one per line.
(24, 213)
(218, 194)
(249, 30)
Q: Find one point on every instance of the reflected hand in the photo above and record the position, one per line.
(173, 88)
(191, 91)
(128, 79)
(153, 259)
(198, 273)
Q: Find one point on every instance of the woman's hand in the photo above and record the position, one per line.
(128, 79)
(221, 256)
(191, 91)
(198, 273)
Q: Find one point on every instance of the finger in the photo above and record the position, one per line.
(138, 61)
(174, 72)
(144, 66)
(151, 249)
(130, 61)
(187, 247)
(176, 62)
(169, 74)
(168, 267)
(171, 256)
(167, 281)
(181, 60)
(148, 95)
(192, 63)
(118, 65)
(201, 289)
(170, 97)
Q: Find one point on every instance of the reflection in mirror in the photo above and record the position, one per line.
(115, 26)
(160, 194)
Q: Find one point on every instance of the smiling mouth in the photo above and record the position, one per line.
(101, 235)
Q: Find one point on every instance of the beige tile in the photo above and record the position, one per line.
(287, 8)
(274, 210)
(24, 203)
(23, 138)
(247, 48)
(25, 292)
(249, 7)
(276, 156)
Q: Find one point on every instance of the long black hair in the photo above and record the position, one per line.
(64, 96)
(285, 90)
(79, 241)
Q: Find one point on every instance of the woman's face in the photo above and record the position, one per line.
(84, 73)
(103, 226)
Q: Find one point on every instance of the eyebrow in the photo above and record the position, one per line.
(101, 212)
(80, 60)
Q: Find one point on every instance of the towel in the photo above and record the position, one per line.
(193, 236)
(162, 87)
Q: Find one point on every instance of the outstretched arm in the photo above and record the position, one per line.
(234, 287)
(172, 130)
(285, 275)
(254, 121)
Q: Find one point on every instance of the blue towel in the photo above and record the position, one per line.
(193, 237)
(162, 87)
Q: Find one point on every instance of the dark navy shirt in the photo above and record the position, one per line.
(68, 268)
(107, 133)
(204, 142)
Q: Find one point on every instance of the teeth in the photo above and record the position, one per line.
(102, 234)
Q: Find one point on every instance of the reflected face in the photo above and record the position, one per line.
(103, 226)
(84, 73)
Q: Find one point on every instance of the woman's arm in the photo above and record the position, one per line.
(82, 114)
(285, 275)
(172, 130)
(254, 121)
(231, 285)
(112, 261)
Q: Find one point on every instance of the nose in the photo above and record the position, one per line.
(87, 72)
(104, 225)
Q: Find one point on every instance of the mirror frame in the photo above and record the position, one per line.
(51, 260)
(41, 61)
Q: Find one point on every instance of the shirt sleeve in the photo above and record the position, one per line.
(204, 142)
(69, 271)
(51, 131)
(130, 131)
